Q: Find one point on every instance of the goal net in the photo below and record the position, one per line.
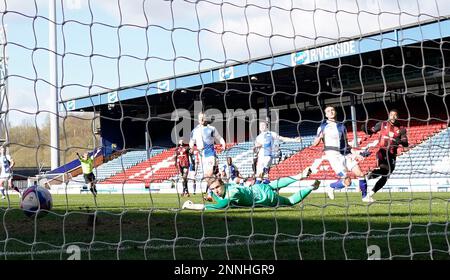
(126, 81)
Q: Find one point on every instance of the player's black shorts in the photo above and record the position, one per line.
(386, 159)
(183, 170)
(89, 178)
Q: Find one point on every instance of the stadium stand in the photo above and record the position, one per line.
(428, 159)
(67, 167)
(416, 134)
(428, 145)
(157, 169)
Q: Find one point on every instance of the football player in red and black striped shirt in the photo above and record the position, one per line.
(182, 164)
(392, 134)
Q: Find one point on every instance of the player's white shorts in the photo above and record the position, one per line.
(5, 176)
(341, 164)
(264, 162)
(192, 175)
(208, 164)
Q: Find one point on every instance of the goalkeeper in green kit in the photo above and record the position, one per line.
(229, 195)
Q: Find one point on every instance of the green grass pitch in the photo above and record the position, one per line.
(152, 227)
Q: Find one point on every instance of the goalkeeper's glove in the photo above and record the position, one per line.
(192, 206)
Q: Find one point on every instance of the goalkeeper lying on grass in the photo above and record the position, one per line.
(255, 195)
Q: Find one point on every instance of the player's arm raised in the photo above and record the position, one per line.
(97, 152)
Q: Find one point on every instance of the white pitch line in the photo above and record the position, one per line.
(237, 243)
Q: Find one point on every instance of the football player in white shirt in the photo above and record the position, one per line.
(204, 136)
(6, 174)
(266, 144)
(339, 154)
(194, 160)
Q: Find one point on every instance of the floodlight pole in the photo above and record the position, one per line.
(53, 68)
(4, 130)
